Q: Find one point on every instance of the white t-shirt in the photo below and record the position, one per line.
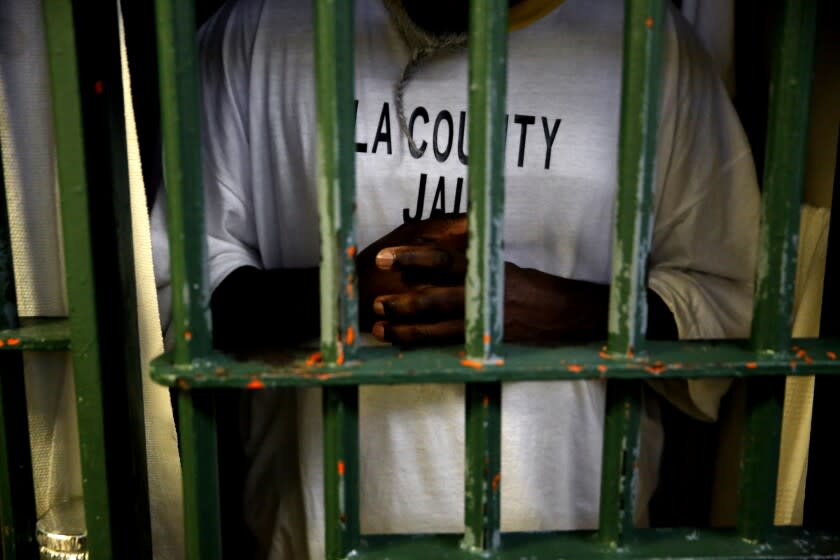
(564, 91)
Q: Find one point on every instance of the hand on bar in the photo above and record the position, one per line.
(414, 278)
(412, 292)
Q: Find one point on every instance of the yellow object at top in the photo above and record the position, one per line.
(527, 12)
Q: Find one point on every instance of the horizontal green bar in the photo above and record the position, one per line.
(651, 543)
(387, 365)
(44, 334)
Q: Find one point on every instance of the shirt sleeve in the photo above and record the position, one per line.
(225, 44)
(705, 235)
(224, 57)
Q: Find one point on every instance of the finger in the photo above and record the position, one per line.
(412, 256)
(434, 301)
(443, 332)
(449, 229)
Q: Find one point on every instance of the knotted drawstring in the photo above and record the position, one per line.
(423, 45)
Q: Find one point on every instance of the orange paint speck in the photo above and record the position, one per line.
(99, 87)
(13, 341)
(255, 384)
(340, 359)
(461, 353)
(351, 251)
(793, 365)
(603, 355)
(486, 338)
(655, 369)
(809, 359)
(187, 335)
(350, 335)
(314, 359)
(801, 354)
(323, 376)
(496, 480)
(349, 289)
(575, 368)
(831, 355)
(341, 468)
(752, 365)
(2, 344)
(486, 401)
(649, 22)
(475, 364)
(602, 368)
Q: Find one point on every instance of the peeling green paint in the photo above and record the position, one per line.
(644, 24)
(387, 365)
(180, 109)
(484, 304)
(336, 177)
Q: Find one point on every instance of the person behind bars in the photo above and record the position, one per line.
(563, 106)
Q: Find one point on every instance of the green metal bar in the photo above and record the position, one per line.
(644, 22)
(336, 178)
(760, 457)
(485, 274)
(92, 169)
(17, 493)
(58, 19)
(790, 95)
(386, 365)
(786, 543)
(341, 470)
(619, 471)
(787, 139)
(485, 179)
(38, 334)
(482, 511)
(181, 125)
(199, 451)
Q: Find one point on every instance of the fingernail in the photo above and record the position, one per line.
(384, 259)
(378, 308)
(379, 330)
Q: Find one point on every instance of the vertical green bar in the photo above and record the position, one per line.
(341, 470)
(485, 273)
(618, 471)
(93, 177)
(180, 105)
(787, 136)
(336, 178)
(181, 130)
(197, 423)
(482, 492)
(58, 24)
(485, 177)
(760, 457)
(339, 305)
(644, 23)
(787, 139)
(17, 494)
